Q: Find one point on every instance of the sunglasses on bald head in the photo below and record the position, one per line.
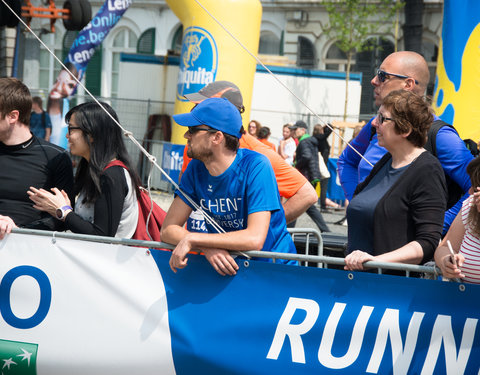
(382, 76)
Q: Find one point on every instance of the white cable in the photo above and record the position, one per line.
(150, 157)
(127, 133)
(280, 82)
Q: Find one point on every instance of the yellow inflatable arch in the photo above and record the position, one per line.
(210, 54)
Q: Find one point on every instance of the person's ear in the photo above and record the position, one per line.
(409, 84)
(13, 116)
(218, 137)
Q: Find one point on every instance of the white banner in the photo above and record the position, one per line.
(77, 307)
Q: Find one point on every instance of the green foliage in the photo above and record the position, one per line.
(351, 22)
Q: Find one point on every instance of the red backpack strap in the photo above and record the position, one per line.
(114, 163)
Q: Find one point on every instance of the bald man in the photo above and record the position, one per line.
(408, 70)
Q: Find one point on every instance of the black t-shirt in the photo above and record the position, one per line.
(36, 163)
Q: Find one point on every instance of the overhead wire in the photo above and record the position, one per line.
(280, 82)
(152, 159)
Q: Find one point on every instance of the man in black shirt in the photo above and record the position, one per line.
(25, 161)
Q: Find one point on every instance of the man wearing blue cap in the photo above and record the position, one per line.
(235, 187)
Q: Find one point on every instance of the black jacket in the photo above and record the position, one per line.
(307, 158)
(323, 146)
(412, 209)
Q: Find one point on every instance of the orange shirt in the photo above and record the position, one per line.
(269, 144)
(186, 159)
(289, 180)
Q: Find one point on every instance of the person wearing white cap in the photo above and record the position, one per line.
(236, 187)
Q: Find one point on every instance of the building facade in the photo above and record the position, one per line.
(291, 35)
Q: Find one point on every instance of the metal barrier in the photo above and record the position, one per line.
(303, 259)
(306, 234)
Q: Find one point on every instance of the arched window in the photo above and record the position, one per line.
(270, 44)
(146, 42)
(306, 53)
(335, 59)
(124, 41)
(177, 40)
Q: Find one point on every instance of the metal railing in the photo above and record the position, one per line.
(429, 271)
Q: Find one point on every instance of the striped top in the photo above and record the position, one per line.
(470, 247)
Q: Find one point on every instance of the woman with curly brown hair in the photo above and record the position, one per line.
(464, 236)
(396, 214)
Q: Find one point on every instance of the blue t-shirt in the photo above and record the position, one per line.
(246, 187)
(37, 127)
(361, 210)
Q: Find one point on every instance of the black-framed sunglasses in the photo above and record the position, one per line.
(195, 129)
(382, 76)
(382, 118)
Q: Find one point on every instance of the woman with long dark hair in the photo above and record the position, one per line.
(106, 202)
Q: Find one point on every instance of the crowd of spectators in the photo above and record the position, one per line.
(412, 185)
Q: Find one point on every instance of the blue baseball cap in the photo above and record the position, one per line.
(218, 113)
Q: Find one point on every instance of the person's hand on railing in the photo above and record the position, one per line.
(221, 261)
(354, 261)
(6, 225)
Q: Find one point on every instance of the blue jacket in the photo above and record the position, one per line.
(451, 152)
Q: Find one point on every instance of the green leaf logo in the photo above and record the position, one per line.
(18, 358)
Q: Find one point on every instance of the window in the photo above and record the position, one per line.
(146, 42)
(430, 52)
(177, 40)
(367, 62)
(48, 66)
(124, 41)
(306, 53)
(336, 59)
(270, 44)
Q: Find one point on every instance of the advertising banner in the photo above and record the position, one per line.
(77, 60)
(335, 191)
(75, 307)
(172, 160)
(457, 85)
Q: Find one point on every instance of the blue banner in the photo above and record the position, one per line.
(335, 191)
(126, 311)
(277, 319)
(76, 62)
(172, 160)
(456, 93)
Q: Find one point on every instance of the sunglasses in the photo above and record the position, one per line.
(195, 129)
(382, 76)
(381, 118)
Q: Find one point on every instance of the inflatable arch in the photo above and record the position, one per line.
(210, 54)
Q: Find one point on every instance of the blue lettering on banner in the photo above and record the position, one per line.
(198, 61)
(45, 297)
(296, 320)
(172, 160)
